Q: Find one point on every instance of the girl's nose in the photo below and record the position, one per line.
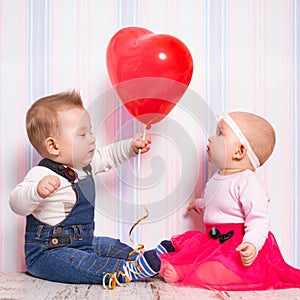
(210, 139)
(93, 139)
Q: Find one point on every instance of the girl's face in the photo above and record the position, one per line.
(222, 146)
(76, 143)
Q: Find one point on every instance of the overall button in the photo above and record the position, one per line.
(58, 230)
(54, 241)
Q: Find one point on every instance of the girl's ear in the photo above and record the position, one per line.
(240, 152)
(51, 146)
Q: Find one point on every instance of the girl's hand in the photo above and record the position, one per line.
(48, 185)
(247, 253)
(140, 144)
(192, 205)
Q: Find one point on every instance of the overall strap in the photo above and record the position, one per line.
(60, 169)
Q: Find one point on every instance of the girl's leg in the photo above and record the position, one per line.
(169, 273)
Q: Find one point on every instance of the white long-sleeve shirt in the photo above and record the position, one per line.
(237, 198)
(24, 199)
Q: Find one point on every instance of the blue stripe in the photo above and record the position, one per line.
(38, 57)
(146, 270)
(127, 16)
(48, 48)
(38, 49)
(160, 249)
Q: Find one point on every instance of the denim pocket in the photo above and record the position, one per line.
(59, 240)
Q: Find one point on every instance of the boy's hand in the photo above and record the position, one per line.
(247, 253)
(140, 144)
(48, 185)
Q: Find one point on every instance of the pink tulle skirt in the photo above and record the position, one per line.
(202, 261)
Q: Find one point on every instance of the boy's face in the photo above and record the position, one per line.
(222, 146)
(76, 143)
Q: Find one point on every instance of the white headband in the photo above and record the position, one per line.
(237, 131)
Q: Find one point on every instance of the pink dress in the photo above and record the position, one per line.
(209, 259)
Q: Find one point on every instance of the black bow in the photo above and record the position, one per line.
(215, 234)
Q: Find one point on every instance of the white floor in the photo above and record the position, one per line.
(15, 286)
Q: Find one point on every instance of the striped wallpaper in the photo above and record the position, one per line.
(246, 57)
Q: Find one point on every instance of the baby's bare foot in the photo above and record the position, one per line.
(169, 274)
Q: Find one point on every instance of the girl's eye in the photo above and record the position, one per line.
(220, 133)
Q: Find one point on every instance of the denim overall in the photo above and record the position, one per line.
(68, 252)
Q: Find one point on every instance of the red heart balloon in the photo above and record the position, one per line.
(150, 72)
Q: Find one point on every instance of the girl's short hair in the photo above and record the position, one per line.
(42, 117)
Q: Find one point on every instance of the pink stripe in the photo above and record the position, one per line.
(256, 57)
(20, 265)
(83, 78)
(286, 96)
(1, 155)
(265, 61)
(79, 46)
(56, 38)
(266, 78)
(89, 44)
(260, 56)
(52, 76)
(22, 91)
(232, 55)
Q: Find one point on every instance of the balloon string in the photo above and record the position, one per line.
(139, 245)
(144, 138)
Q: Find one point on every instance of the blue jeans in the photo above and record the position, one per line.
(68, 252)
(85, 264)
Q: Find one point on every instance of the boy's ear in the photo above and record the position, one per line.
(51, 146)
(240, 152)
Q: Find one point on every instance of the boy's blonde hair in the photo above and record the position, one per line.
(42, 117)
(259, 133)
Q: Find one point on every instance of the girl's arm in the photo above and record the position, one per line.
(255, 203)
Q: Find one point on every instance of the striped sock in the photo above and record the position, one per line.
(143, 266)
(164, 247)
